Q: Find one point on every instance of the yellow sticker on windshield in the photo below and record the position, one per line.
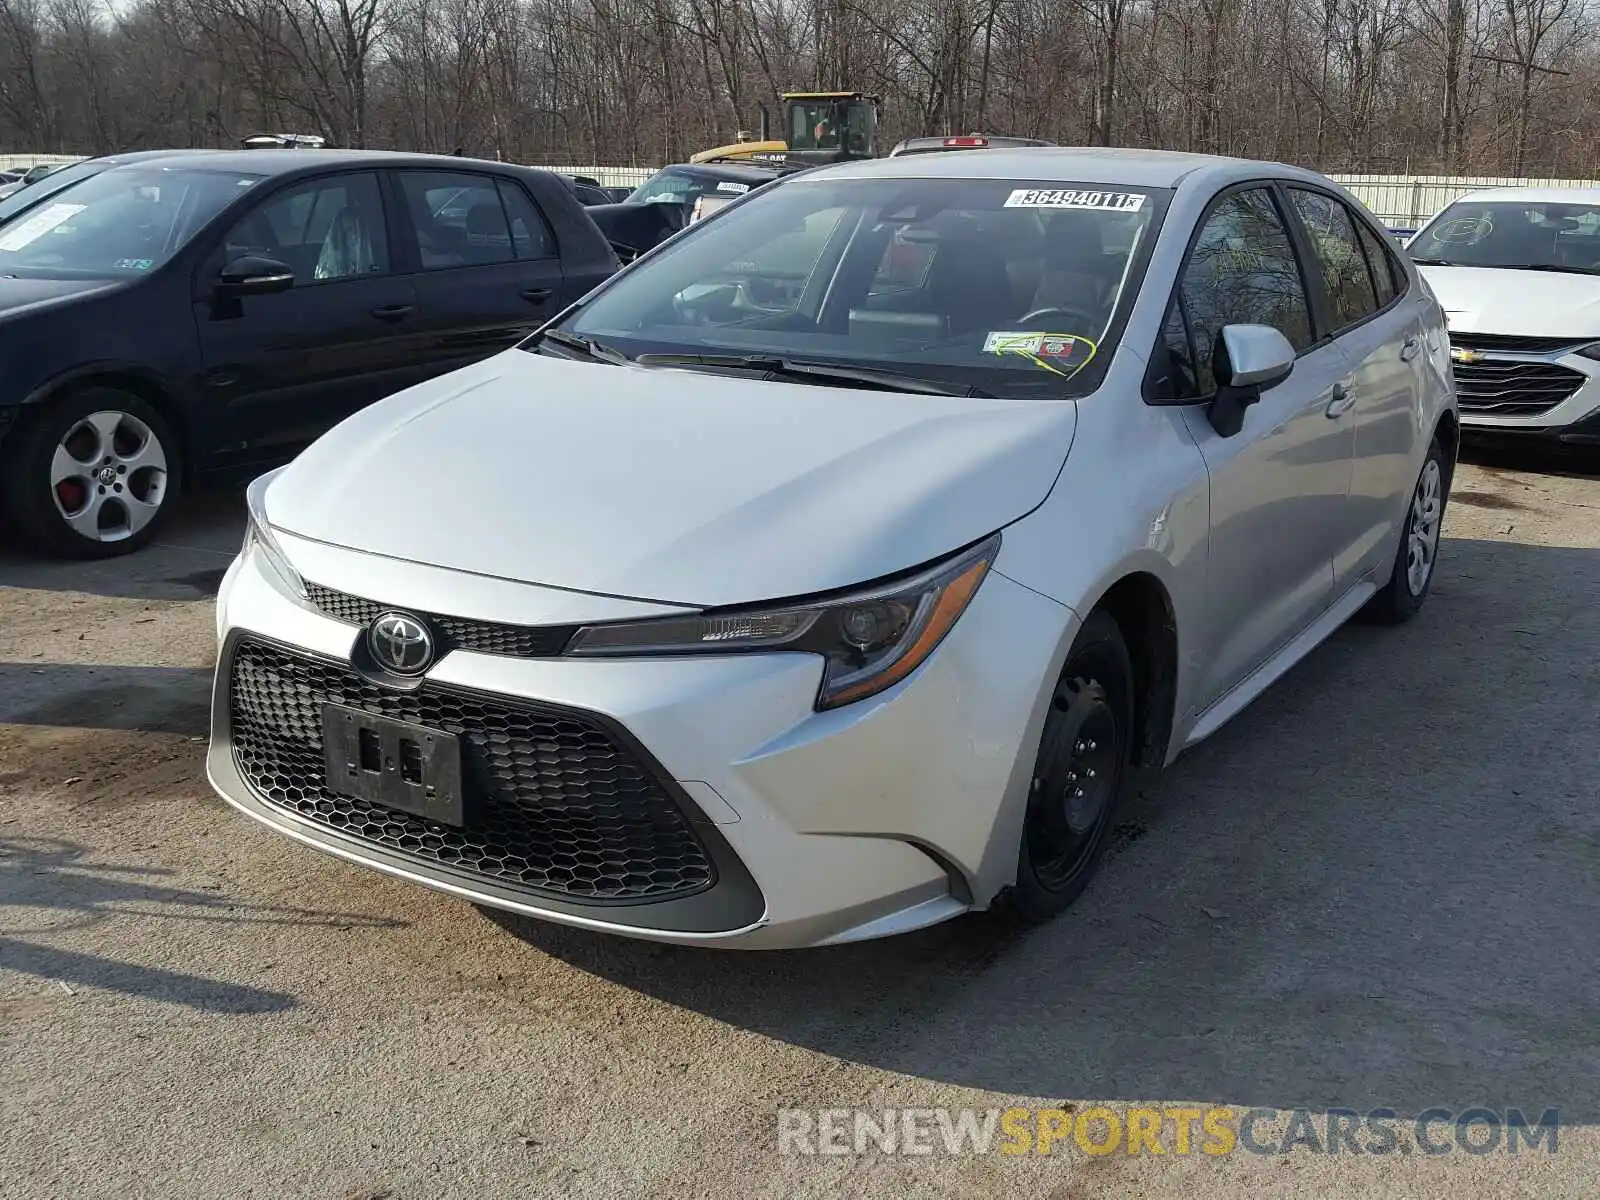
(1063, 354)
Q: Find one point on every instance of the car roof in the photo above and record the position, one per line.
(286, 162)
(1532, 195)
(1066, 164)
(140, 155)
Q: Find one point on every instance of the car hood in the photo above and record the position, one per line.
(25, 295)
(1517, 303)
(669, 485)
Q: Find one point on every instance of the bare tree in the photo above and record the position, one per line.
(1459, 85)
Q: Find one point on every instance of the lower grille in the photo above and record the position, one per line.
(1514, 389)
(555, 803)
(455, 633)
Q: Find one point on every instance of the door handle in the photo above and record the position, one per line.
(393, 312)
(1343, 399)
(536, 295)
(1409, 349)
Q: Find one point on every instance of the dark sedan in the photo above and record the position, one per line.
(210, 313)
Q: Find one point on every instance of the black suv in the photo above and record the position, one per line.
(211, 312)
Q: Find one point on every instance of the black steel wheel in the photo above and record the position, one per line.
(1079, 775)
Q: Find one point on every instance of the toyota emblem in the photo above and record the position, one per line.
(401, 643)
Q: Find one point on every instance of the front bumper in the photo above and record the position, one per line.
(884, 816)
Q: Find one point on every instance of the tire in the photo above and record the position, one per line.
(1407, 589)
(1080, 774)
(92, 475)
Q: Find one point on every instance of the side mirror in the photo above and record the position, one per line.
(254, 275)
(1248, 360)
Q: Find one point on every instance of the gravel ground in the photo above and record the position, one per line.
(1378, 887)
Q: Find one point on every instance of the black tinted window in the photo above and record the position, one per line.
(530, 235)
(1242, 271)
(1347, 282)
(327, 229)
(1381, 263)
(459, 219)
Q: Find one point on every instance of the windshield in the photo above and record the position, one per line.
(1511, 233)
(828, 124)
(31, 194)
(124, 221)
(681, 187)
(1012, 287)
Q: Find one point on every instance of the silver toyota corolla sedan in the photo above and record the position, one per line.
(827, 573)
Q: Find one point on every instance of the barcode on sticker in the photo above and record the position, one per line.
(1064, 198)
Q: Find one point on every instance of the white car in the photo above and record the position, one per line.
(1518, 273)
(823, 575)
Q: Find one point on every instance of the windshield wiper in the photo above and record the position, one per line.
(1433, 262)
(1560, 270)
(585, 346)
(798, 368)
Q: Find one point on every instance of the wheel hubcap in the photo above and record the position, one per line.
(108, 476)
(1079, 770)
(1422, 535)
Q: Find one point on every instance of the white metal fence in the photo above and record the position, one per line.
(1406, 201)
(611, 176)
(18, 162)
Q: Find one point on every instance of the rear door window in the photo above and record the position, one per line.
(1346, 279)
(1381, 263)
(459, 219)
(530, 232)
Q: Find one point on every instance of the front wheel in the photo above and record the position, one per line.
(92, 475)
(1079, 775)
(1412, 574)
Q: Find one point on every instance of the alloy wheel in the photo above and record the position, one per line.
(108, 476)
(1422, 534)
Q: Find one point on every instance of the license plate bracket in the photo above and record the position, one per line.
(406, 767)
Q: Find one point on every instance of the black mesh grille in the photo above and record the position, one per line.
(1512, 344)
(455, 633)
(1516, 389)
(553, 802)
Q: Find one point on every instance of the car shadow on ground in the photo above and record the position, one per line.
(186, 562)
(1574, 462)
(49, 886)
(1376, 887)
(149, 699)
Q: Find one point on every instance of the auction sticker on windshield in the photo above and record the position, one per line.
(1067, 198)
(1052, 351)
(36, 226)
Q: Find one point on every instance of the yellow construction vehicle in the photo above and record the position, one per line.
(818, 127)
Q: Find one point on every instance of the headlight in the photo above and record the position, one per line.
(258, 536)
(869, 640)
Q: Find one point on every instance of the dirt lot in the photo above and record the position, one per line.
(1378, 887)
